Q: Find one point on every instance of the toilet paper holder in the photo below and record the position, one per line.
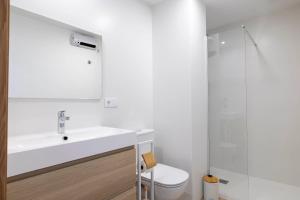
(139, 170)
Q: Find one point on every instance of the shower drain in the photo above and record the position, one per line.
(223, 181)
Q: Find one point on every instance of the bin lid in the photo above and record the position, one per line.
(210, 179)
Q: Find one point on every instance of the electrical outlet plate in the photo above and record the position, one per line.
(110, 102)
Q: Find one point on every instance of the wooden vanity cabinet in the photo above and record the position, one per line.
(110, 176)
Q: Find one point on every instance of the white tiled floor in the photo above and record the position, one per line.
(242, 187)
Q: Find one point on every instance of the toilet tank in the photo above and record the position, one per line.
(143, 136)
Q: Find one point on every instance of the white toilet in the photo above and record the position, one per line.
(170, 182)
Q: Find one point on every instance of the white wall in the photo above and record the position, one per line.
(180, 87)
(273, 98)
(126, 27)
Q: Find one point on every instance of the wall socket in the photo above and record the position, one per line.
(110, 102)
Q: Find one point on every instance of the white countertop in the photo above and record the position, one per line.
(37, 151)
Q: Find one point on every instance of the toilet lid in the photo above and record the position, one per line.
(167, 176)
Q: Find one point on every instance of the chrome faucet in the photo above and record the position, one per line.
(61, 121)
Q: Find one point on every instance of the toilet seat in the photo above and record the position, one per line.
(167, 176)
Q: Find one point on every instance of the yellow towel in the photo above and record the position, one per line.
(149, 160)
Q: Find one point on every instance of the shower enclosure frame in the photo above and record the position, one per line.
(4, 48)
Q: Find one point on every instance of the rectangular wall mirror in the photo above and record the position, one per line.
(52, 60)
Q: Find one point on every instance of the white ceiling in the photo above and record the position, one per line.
(222, 12)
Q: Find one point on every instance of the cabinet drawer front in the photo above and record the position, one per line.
(99, 179)
(128, 195)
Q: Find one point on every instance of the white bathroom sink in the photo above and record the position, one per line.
(38, 151)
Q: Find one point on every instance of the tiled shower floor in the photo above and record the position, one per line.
(242, 187)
